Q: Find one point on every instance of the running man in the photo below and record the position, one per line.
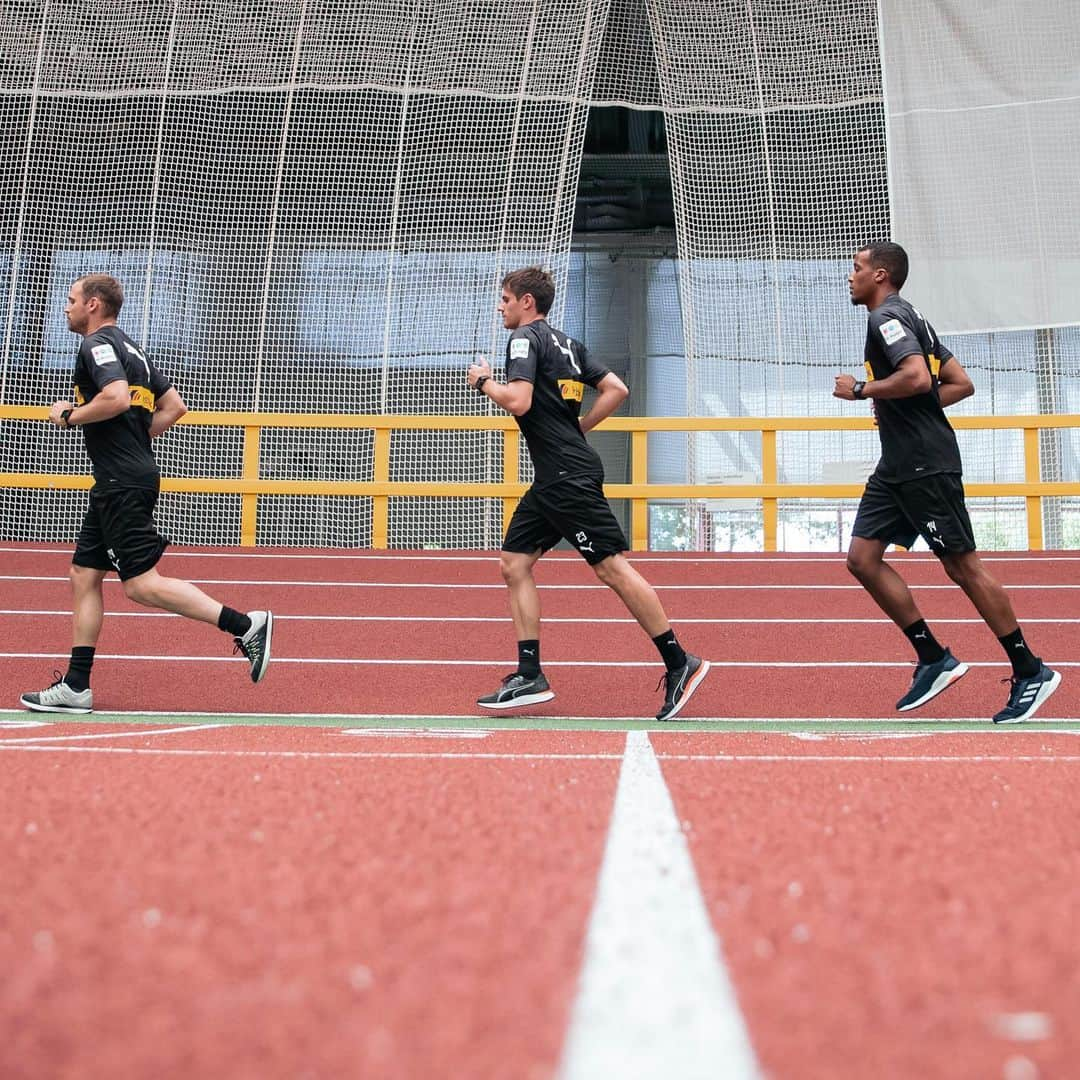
(121, 402)
(916, 489)
(546, 376)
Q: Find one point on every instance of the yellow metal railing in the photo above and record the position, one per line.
(250, 484)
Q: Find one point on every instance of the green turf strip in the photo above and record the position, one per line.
(541, 723)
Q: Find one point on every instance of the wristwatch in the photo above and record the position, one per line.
(479, 384)
(66, 417)
(857, 389)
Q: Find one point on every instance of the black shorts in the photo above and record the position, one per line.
(118, 532)
(574, 510)
(932, 507)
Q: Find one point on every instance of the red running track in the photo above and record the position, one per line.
(276, 902)
(423, 634)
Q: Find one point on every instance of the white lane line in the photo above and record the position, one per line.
(554, 558)
(654, 998)
(940, 723)
(505, 619)
(421, 662)
(29, 747)
(26, 747)
(114, 734)
(460, 586)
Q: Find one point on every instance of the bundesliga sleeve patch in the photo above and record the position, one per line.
(892, 331)
(104, 354)
(519, 349)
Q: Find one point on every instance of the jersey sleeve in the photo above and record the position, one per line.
(896, 336)
(159, 384)
(521, 357)
(591, 371)
(101, 363)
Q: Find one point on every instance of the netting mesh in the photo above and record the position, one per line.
(310, 205)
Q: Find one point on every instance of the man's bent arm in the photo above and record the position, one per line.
(953, 383)
(612, 393)
(169, 408)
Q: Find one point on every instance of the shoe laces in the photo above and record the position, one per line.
(58, 678)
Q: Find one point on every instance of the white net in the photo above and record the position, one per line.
(311, 204)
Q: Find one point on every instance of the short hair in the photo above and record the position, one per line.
(891, 258)
(534, 280)
(106, 288)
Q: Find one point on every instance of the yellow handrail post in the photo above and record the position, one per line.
(380, 504)
(511, 452)
(639, 474)
(249, 501)
(1032, 474)
(769, 476)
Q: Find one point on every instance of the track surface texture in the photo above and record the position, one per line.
(351, 871)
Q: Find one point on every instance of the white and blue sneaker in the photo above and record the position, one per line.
(930, 679)
(1027, 695)
(518, 689)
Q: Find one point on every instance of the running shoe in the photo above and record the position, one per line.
(681, 684)
(1027, 695)
(930, 679)
(59, 698)
(255, 644)
(518, 689)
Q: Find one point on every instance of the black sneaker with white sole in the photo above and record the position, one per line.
(930, 679)
(681, 684)
(59, 698)
(255, 644)
(518, 689)
(1027, 695)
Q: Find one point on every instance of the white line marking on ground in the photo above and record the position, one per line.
(940, 723)
(420, 733)
(505, 619)
(654, 998)
(553, 559)
(423, 662)
(19, 725)
(459, 586)
(28, 746)
(115, 734)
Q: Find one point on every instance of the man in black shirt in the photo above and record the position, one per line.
(546, 376)
(121, 402)
(916, 489)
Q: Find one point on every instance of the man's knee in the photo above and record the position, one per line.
(515, 566)
(965, 570)
(863, 560)
(610, 570)
(83, 578)
(141, 589)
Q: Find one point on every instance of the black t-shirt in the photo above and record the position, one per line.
(119, 447)
(916, 438)
(559, 369)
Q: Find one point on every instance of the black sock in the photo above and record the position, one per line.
(233, 622)
(1024, 662)
(529, 658)
(926, 645)
(78, 672)
(670, 650)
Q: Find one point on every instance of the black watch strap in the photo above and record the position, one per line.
(480, 383)
(66, 417)
(857, 390)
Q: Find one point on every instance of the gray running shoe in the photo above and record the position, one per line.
(930, 679)
(255, 644)
(59, 698)
(518, 689)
